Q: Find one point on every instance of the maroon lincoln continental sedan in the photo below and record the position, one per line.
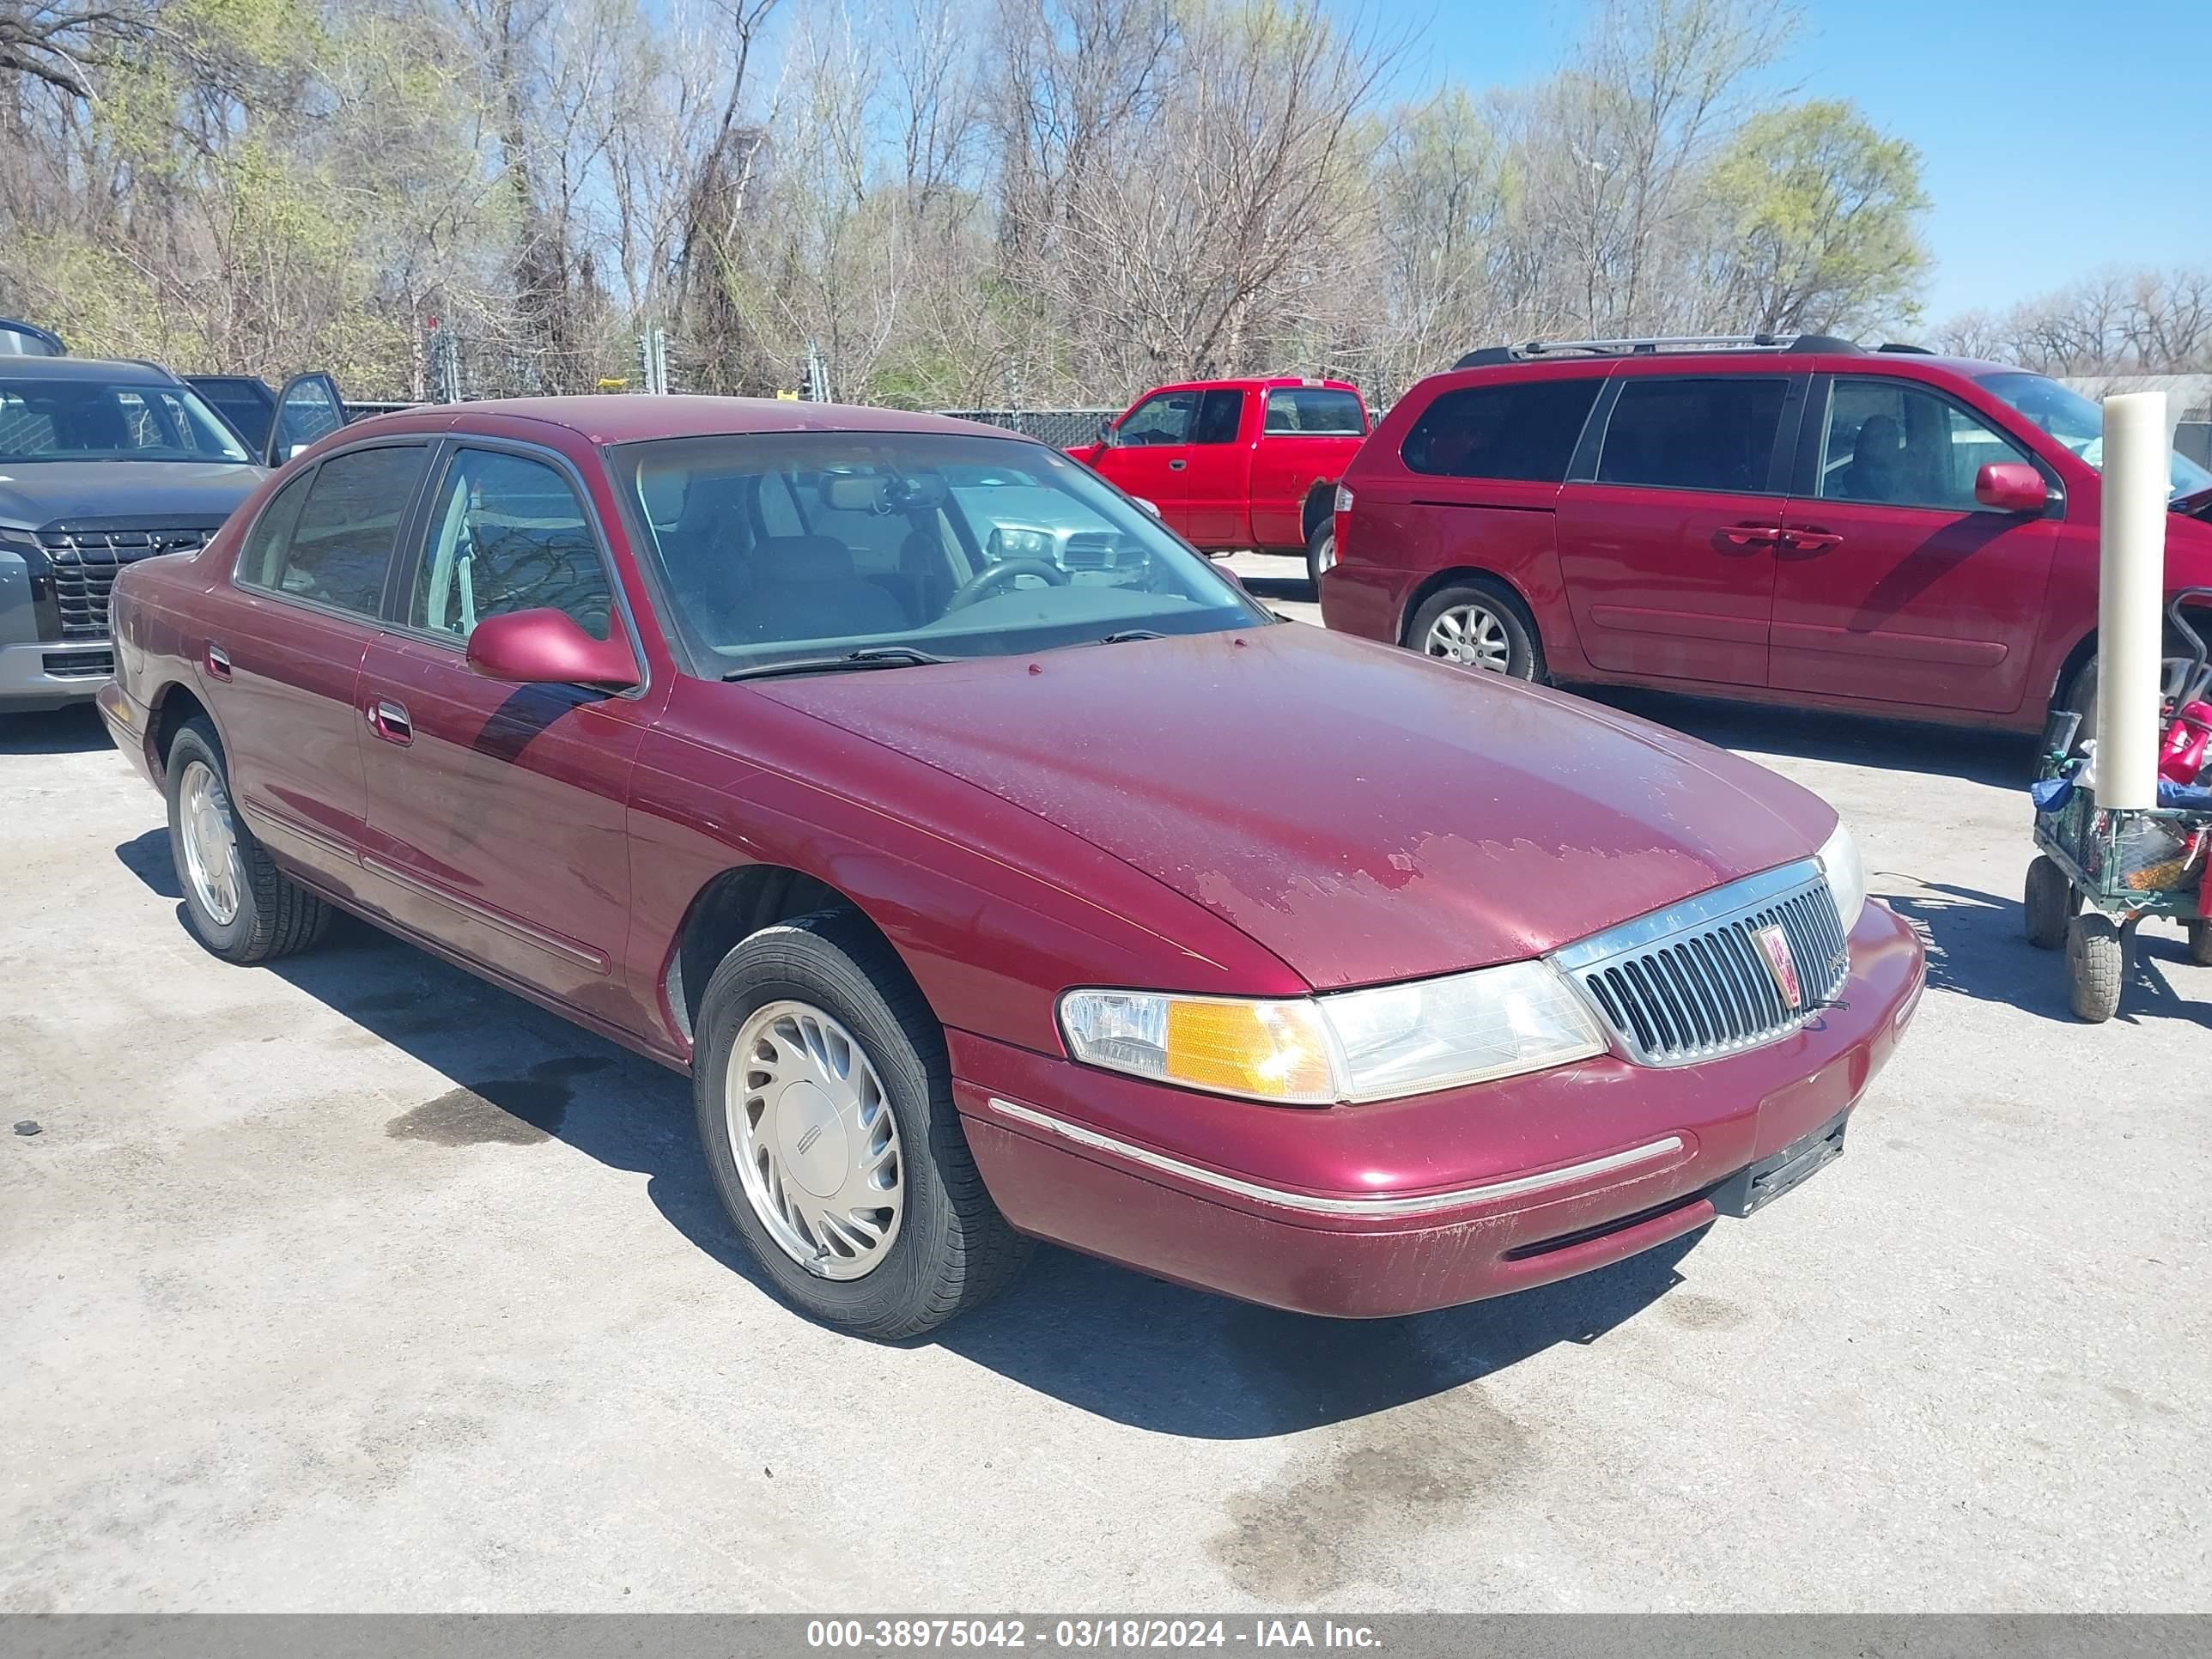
(996, 868)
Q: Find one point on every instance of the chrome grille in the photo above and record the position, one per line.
(1088, 551)
(1692, 983)
(85, 563)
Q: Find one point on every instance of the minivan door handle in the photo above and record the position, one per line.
(1751, 534)
(388, 720)
(1811, 541)
(218, 663)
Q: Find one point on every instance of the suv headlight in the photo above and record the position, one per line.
(1839, 858)
(1375, 1044)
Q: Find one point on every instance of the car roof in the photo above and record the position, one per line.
(123, 370)
(624, 417)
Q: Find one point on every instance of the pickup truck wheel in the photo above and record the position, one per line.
(1477, 624)
(240, 904)
(825, 1101)
(1321, 552)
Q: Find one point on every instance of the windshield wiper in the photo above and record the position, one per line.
(874, 656)
(1129, 633)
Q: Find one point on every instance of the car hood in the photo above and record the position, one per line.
(186, 493)
(1363, 812)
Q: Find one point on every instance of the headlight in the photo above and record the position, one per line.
(1374, 1044)
(1020, 544)
(1840, 862)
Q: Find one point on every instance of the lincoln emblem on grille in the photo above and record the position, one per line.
(1774, 946)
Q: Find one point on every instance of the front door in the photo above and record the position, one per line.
(1217, 488)
(1150, 456)
(1892, 582)
(282, 667)
(308, 408)
(1666, 546)
(496, 811)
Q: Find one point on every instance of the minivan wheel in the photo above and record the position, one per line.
(2080, 693)
(1321, 552)
(825, 1109)
(1477, 624)
(240, 904)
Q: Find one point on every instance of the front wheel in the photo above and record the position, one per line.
(1478, 624)
(2095, 957)
(825, 1107)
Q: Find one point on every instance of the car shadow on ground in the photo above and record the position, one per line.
(1977, 947)
(2002, 760)
(1101, 1339)
(76, 730)
(1277, 590)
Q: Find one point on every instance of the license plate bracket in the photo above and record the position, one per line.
(1759, 1184)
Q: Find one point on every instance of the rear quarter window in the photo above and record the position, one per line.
(1527, 429)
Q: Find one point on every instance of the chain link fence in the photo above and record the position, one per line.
(1062, 429)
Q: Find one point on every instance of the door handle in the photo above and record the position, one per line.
(1177, 466)
(1811, 541)
(388, 720)
(1751, 534)
(218, 663)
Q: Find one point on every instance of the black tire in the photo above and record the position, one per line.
(275, 914)
(1320, 551)
(2095, 961)
(2051, 903)
(2079, 693)
(2200, 943)
(1525, 652)
(953, 1250)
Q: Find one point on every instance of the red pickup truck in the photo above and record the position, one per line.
(1238, 464)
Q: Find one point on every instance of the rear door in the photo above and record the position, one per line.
(1150, 456)
(244, 400)
(308, 408)
(497, 811)
(1217, 487)
(1892, 582)
(1668, 532)
(283, 659)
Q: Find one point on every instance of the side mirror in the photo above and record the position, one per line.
(2011, 486)
(1106, 430)
(548, 647)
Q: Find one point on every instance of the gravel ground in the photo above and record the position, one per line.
(353, 1283)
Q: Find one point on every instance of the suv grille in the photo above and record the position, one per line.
(85, 563)
(1693, 983)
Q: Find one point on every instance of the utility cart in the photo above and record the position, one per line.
(2100, 871)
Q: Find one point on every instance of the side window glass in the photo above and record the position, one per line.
(1715, 435)
(1301, 409)
(1164, 419)
(1527, 430)
(261, 561)
(340, 547)
(306, 413)
(779, 507)
(508, 534)
(1218, 415)
(1896, 444)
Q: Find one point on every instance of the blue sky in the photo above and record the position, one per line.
(2056, 140)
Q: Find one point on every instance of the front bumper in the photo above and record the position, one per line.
(48, 675)
(1401, 1207)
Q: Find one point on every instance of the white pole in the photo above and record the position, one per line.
(2129, 626)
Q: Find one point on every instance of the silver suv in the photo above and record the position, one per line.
(101, 465)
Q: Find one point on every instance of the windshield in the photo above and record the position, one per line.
(71, 419)
(792, 547)
(2079, 424)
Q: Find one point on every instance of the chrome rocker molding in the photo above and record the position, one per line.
(1305, 1203)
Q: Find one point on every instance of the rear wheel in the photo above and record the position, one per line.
(240, 905)
(825, 1109)
(1321, 552)
(2095, 957)
(2052, 903)
(1478, 624)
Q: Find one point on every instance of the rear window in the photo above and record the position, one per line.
(1527, 430)
(1715, 433)
(1299, 410)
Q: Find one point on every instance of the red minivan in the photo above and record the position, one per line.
(1798, 521)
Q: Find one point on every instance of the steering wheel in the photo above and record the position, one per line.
(989, 579)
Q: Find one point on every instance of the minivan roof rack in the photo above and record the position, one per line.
(1650, 346)
(1899, 345)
